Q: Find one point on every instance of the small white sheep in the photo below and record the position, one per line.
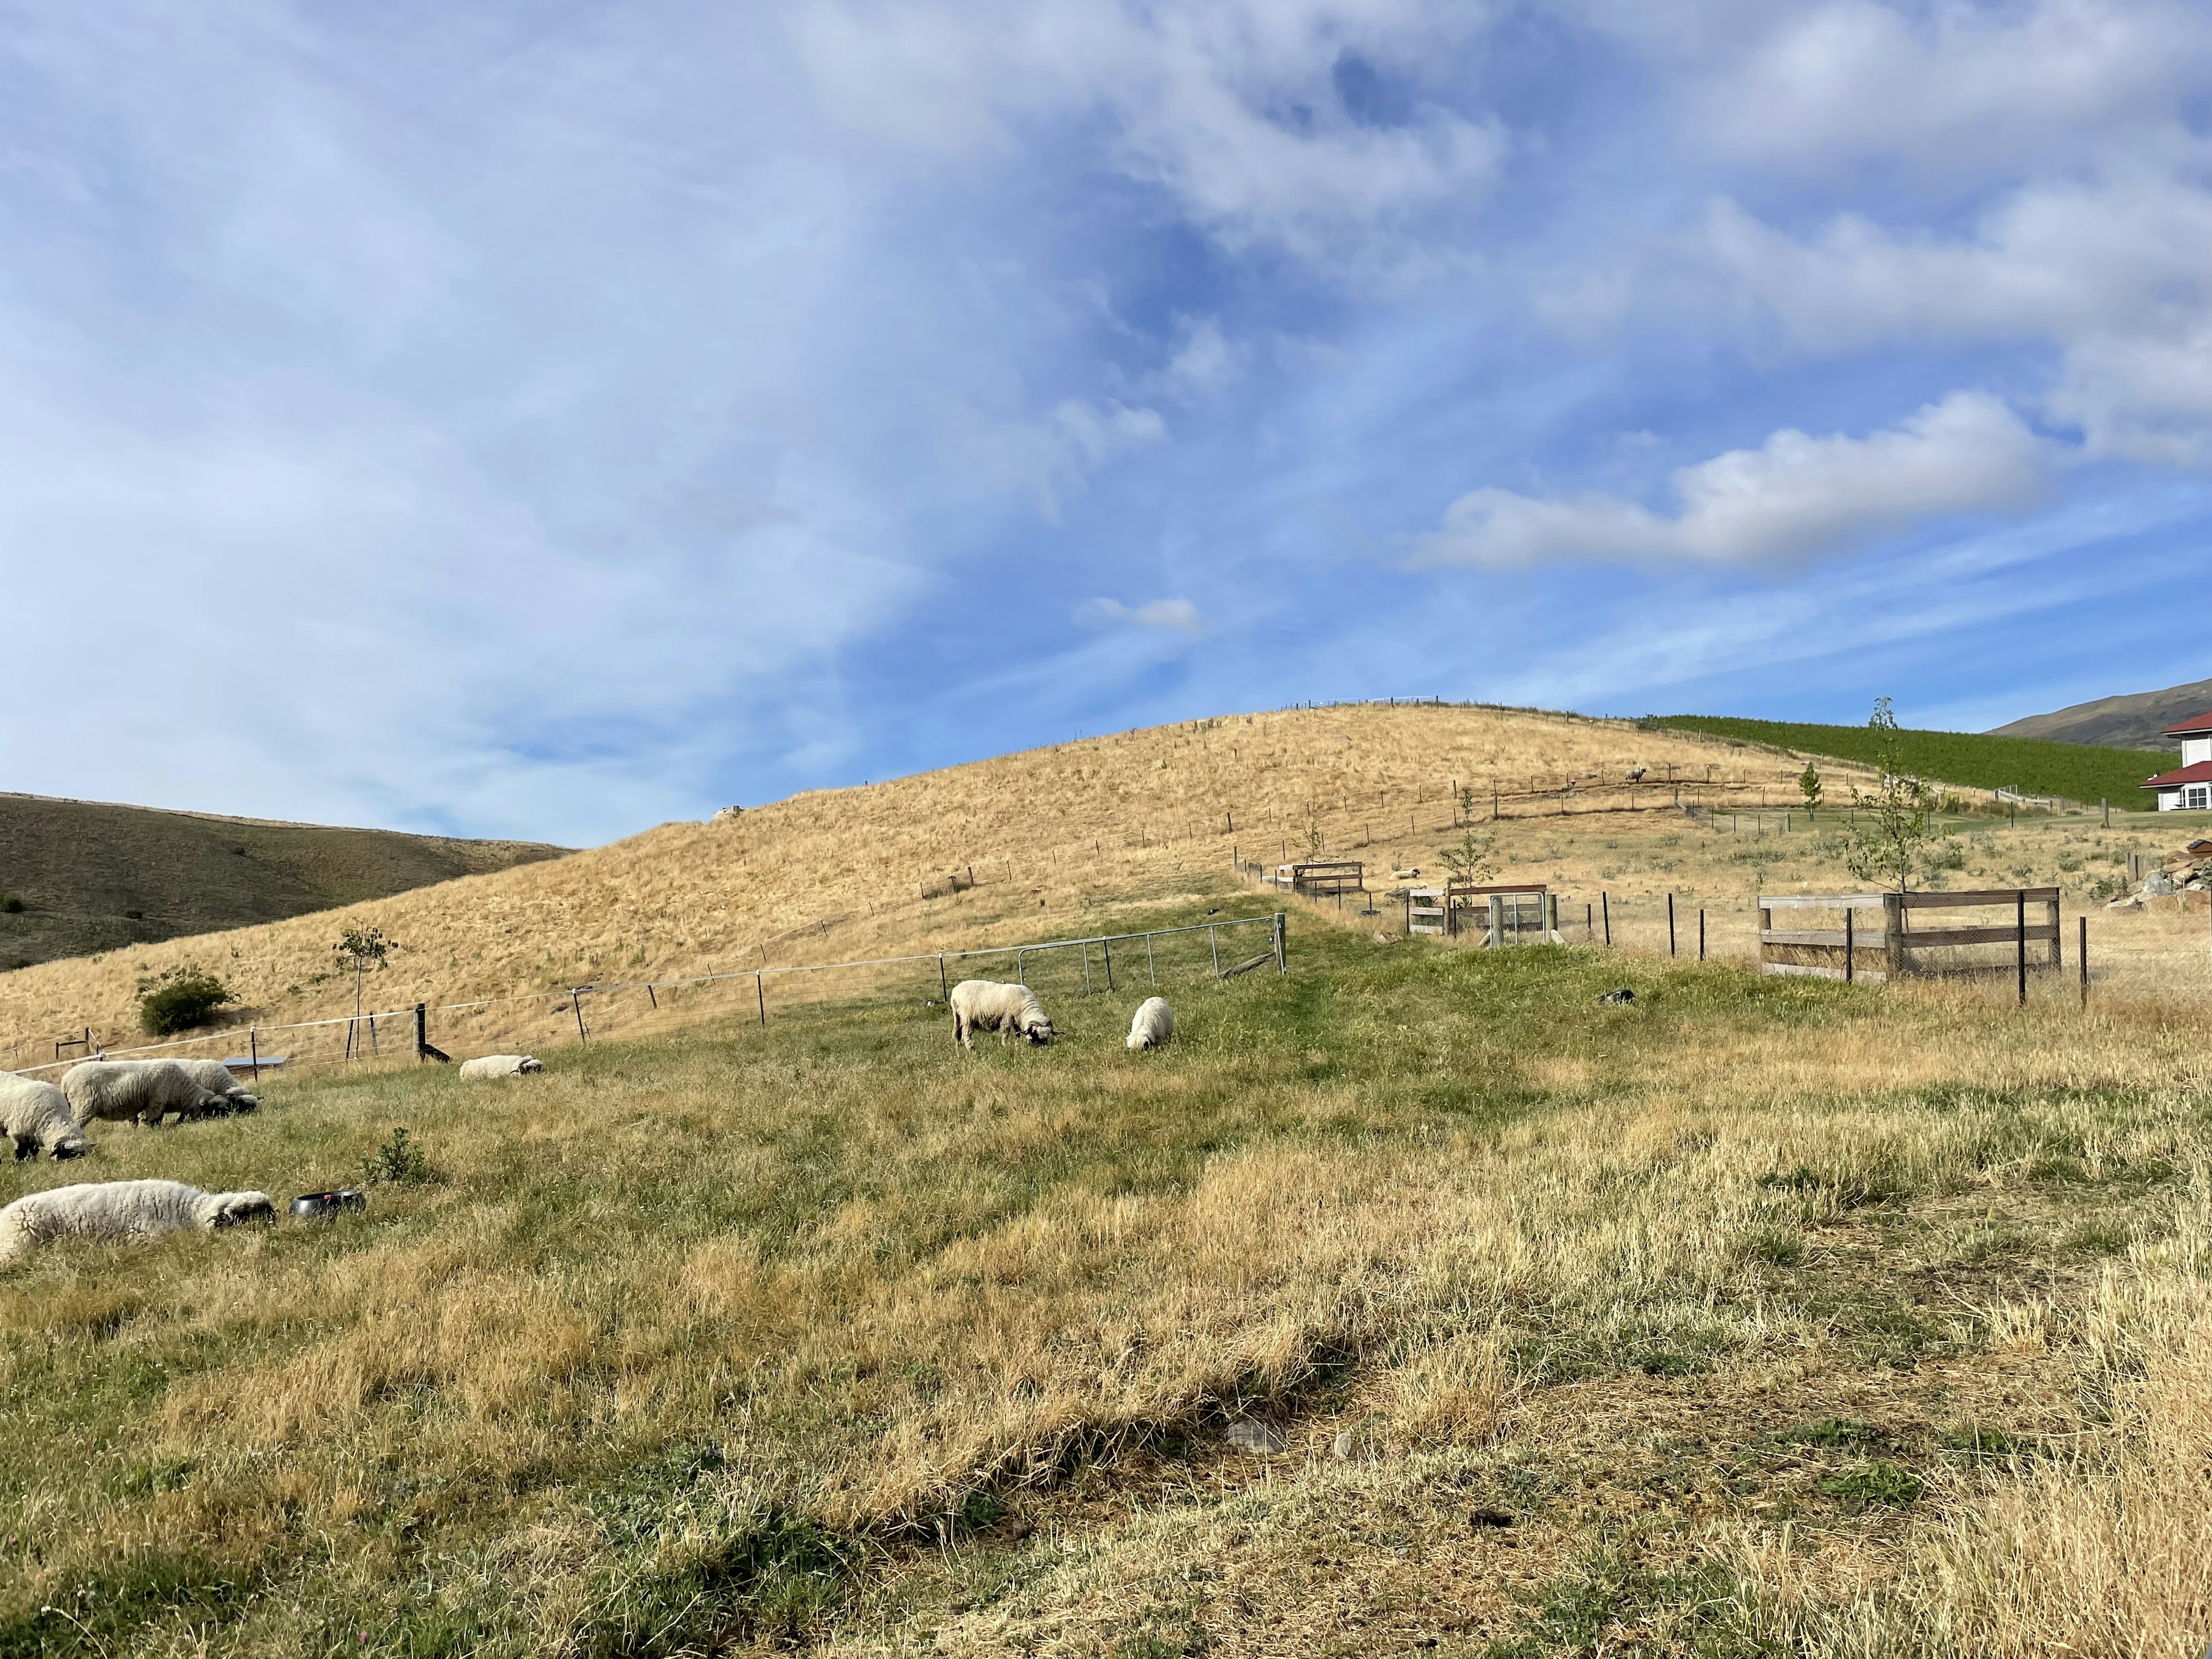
(132, 1210)
(141, 1091)
(983, 1005)
(1154, 1025)
(36, 1117)
(500, 1066)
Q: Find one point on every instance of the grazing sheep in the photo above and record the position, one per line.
(218, 1078)
(1154, 1025)
(983, 1005)
(36, 1117)
(141, 1091)
(500, 1066)
(121, 1210)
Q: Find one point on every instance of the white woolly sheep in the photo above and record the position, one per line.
(141, 1091)
(1154, 1025)
(132, 1210)
(36, 1117)
(983, 1005)
(500, 1066)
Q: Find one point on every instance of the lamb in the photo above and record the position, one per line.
(983, 1005)
(128, 1210)
(36, 1117)
(500, 1066)
(141, 1091)
(1154, 1025)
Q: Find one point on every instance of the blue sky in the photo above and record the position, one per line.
(548, 421)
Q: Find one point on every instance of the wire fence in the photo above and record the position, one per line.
(1094, 964)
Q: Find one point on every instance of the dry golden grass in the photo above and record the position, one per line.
(1043, 831)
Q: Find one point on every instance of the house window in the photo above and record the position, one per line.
(2197, 796)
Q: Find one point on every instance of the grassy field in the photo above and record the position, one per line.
(91, 876)
(1758, 1317)
(2079, 771)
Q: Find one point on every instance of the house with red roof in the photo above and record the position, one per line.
(2188, 788)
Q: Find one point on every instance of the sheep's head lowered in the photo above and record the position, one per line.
(228, 1209)
(1035, 1027)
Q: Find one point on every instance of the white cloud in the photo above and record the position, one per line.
(1955, 85)
(1234, 111)
(1180, 615)
(1204, 363)
(2117, 274)
(1793, 498)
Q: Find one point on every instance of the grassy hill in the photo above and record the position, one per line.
(2080, 771)
(2136, 720)
(840, 874)
(91, 876)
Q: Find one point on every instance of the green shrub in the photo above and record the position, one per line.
(12, 903)
(399, 1159)
(180, 1000)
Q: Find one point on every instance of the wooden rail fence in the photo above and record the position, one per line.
(1892, 948)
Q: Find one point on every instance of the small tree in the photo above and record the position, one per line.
(1809, 785)
(1888, 841)
(180, 1000)
(1316, 843)
(361, 947)
(1468, 860)
(1467, 804)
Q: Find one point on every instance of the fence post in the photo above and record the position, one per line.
(944, 991)
(1151, 973)
(1590, 922)
(1892, 919)
(254, 1035)
(576, 1003)
(1552, 918)
(2020, 941)
(1605, 904)
(1021, 972)
(1085, 948)
(760, 995)
(1670, 924)
(421, 1031)
(1497, 918)
(1701, 934)
(2083, 956)
(2057, 949)
(1282, 946)
(1107, 946)
(1214, 937)
(1850, 942)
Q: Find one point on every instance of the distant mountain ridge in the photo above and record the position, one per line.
(80, 876)
(2132, 721)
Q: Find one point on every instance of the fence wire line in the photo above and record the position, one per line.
(611, 987)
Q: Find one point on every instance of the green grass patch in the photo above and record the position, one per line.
(2080, 771)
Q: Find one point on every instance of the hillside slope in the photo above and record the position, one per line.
(2082, 772)
(2133, 721)
(92, 876)
(1048, 834)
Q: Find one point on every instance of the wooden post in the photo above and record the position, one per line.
(254, 1035)
(1701, 934)
(943, 990)
(576, 1006)
(1214, 937)
(1670, 924)
(1551, 917)
(1497, 918)
(1892, 917)
(1851, 941)
(421, 1031)
(2081, 955)
(2057, 954)
(650, 998)
(760, 995)
(2107, 805)
(1605, 906)
(2020, 941)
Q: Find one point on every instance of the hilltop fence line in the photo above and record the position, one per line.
(412, 1028)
